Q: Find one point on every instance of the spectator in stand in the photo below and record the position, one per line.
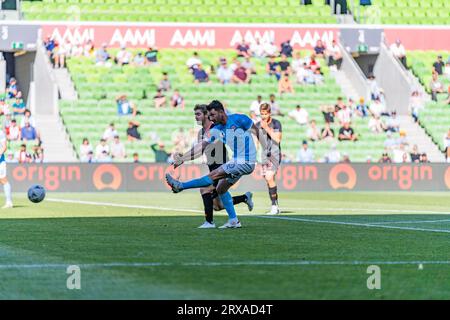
(193, 62)
(132, 131)
(60, 53)
(334, 56)
(415, 105)
(7, 123)
(118, 149)
(38, 154)
(254, 107)
(85, 148)
(257, 49)
(151, 56)
(333, 156)
(104, 157)
(164, 84)
(123, 56)
(14, 133)
(10, 158)
(327, 132)
(286, 49)
(303, 74)
(328, 112)
(125, 107)
(415, 154)
(224, 72)
(424, 158)
(110, 132)
(377, 108)
(362, 109)
(22, 155)
(271, 66)
(313, 63)
(376, 125)
(305, 155)
(102, 56)
(448, 96)
(270, 49)
(393, 124)
(89, 49)
(398, 50)
(200, 75)
(18, 106)
(402, 139)
(339, 104)
(159, 99)
(161, 155)
(243, 49)
(12, 89)
(49, 44)
(27, 118)
(390, 141)
(249, 65)
(344, 115)
(4, 107)
(446, 71)
(438, 65)
(447, 146)
(100, 148)
(284, 64)
(274, 106)
(346, 133)
(297, 61)
(435, 86)
(374, 89)
(28, 133)
(139, 60)
(320, 49)
(241, 75)
(285, 85)
(385, 158)
(177, 101)
(313, 132)
(136, 158)
(345, 158)
(318, 77)
(300, 115)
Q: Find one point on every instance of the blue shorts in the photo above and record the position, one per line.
(235, 170)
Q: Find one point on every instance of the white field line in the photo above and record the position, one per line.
(215, 264)
(367, 209)
(368, 225)
(412, 221)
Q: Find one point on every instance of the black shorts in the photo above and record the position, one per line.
(213, 167)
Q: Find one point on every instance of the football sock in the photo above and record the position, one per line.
(273, 195)
(228, 205)
(202, 182)
(208, 204)
(7, 190)
(239, 199)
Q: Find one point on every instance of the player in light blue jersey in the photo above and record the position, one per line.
(3, 179)
(235, 130)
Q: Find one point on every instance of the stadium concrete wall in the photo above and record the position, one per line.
(142, 177)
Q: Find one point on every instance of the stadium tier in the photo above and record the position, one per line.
(404, 12)
(434, 118)
(98, 87)
(277, 11)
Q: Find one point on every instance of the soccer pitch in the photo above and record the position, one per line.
(147, 246)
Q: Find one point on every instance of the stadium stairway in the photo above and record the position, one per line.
(56, 145)
(346, 85)
(65, 85)
(417, 135)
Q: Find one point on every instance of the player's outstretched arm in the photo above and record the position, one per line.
(195, 152)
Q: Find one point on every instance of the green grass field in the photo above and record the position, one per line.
(147, 246)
